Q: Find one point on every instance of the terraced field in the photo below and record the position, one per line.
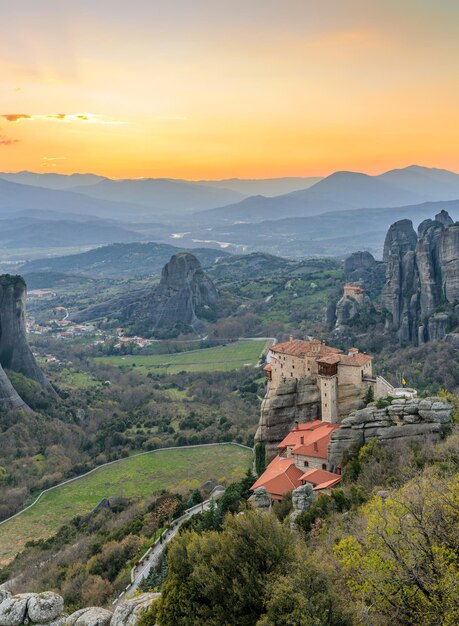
(221, 358)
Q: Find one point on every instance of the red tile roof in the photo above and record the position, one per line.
(300, 348)
(356, 358)
(280, 477)
(310, 439)
(320, 479)
(330, 359)
(268, 367)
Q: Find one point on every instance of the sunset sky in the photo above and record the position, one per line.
(221, 88)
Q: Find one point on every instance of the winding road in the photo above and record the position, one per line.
(151, 558)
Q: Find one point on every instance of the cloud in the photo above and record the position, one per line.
(6, 141)
(86, 118)
(59, 158)
(16, 117)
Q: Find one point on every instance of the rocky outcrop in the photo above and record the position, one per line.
(302, 498)
(362, 267)
(47, 608)
(25, 608)
(127, 613)
(92, 616)
(261, 499)
(15, 353)
(403, 421)
(292, 401)
(347, 309)
(182, 296)
(422, 278)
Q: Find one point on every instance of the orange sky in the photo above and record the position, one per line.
(207, 89)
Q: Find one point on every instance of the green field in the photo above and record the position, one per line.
(222, 358)
(175, 469)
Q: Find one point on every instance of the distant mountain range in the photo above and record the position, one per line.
(264, 186)
(342, 191)
(322, 217)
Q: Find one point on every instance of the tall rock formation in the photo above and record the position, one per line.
(365, 273)
(422, 278)
(183, 294)
(15, 353)
(9, 397)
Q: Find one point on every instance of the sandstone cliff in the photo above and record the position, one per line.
(361, 269)
(182, 296)
(9, 398)
(422, 278)
(297, 400)
(292, 401)
(403, 420)
(15, 353)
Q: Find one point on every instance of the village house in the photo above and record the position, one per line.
(334, 372)
(302, 459)
(343, 379)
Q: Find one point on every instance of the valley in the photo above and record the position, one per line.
(149, 375)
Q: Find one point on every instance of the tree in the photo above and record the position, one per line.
(302, 598)
(404, 564)
(369, 395)
(219, 578)
(260, 458)
(242, 574)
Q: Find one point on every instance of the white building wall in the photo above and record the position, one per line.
(329, 398)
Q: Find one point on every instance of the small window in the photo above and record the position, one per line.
(306, 463)
(324, 466)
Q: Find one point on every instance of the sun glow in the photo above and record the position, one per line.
(251, 90)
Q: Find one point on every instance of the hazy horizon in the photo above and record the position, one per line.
(228, 178)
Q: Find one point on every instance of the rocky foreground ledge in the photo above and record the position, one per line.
(47, 608)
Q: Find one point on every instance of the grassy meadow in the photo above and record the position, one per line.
(173, 469)
(221, 358)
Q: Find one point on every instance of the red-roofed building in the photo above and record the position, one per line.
(280, 477)
(321, 480)
(332, 370)
(302, 451)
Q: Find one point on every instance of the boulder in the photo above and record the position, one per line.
(91, 616)
(302, 498)
(4, 594)
(261, 499)
(45, 607)
(13, 610)
(128, 612)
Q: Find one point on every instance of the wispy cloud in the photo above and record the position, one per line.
(7, 141)
(86, 118)
(45, 158)
(16, 117)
